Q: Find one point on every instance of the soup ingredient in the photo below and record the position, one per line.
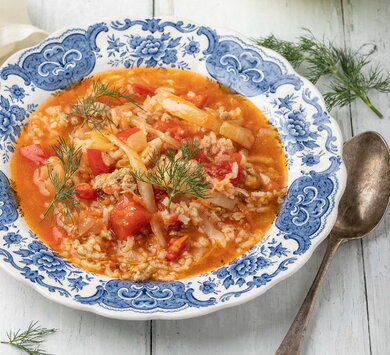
(238, 134)
(57, 235)
(91, 108)
(85, 191)
(351, 77)
(198, 100)
(145, 189)
(148, 128)
(177, 173)
(96, 162)
(29, 340)
(222, 168)
(176, 247)
(34, 152)
(187, 111)
(134, 138)
(128, 217)
(64, 195)
(141, 91)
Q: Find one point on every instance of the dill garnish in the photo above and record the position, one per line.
(64, 198)
(94, 112)
(349, 72)
(29, 340)
(177, 173)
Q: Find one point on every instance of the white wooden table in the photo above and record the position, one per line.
(353, 312)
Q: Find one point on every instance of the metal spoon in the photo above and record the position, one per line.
(366, 197)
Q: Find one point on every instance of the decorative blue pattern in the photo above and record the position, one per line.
(60, 62)
(307, 201)
(8, 206)
(118, 294)
(243, 69)
(310, 138)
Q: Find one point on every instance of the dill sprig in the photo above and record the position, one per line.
(29, 340)
(94, 112)
(177, 173)
(64, 198)
(350, 74)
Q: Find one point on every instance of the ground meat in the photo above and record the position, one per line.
(120, 179)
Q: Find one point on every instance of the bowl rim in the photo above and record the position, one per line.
(195, 312)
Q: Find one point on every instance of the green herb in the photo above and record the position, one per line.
(29, 340)
(64, 197)
(94, 112)
(350, 74)
(177, 173)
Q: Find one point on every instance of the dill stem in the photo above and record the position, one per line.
(367, 101)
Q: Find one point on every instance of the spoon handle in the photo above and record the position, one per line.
(293, 340)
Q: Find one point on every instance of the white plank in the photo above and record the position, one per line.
(52, 15)
(367, 22)
(339, 325)
(79, 332)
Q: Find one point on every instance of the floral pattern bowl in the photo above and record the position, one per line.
(311, 139)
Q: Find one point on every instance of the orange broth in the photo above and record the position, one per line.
(32, 202)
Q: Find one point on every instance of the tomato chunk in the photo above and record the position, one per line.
(198, 100)
(201, 157)
(221, 168)
(34, 152)
(85, 191)
(176, 247)
(128, 217)
(57, 235)
(96, 163)
(142, 91)
(127, 133)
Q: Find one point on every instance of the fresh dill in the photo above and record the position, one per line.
(177, 172)
(92, 111)
(29, 340)
(64, 196)
(350, 74)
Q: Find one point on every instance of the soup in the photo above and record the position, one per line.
(149, 174)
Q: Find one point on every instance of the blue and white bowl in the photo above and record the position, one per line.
(311, 139)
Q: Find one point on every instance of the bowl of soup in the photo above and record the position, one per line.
(156, 168)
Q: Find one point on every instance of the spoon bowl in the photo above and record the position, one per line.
(367, 193)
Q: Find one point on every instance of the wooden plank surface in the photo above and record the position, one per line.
(343, 322)
(367, 22)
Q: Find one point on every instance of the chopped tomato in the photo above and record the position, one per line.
(128, 217)
(175, 128)
(176, 247)
(57, 235)
(223, 167)
(96, 163)
(141, 91)
(198, 100)
(34, 152)
(127, 133)
(201, 157)
(85, 191)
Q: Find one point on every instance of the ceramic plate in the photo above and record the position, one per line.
(311, 139)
